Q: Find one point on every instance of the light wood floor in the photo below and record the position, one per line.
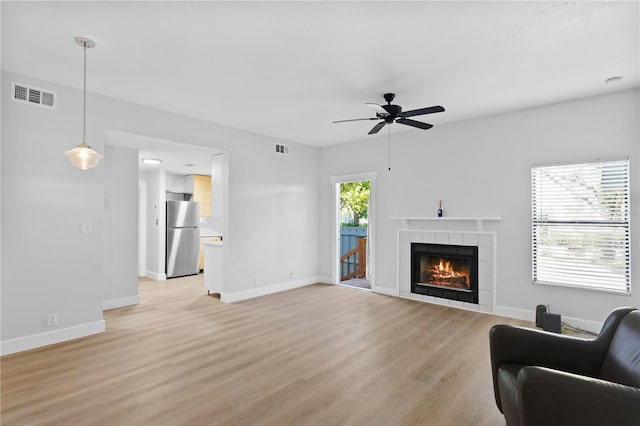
(318, 355)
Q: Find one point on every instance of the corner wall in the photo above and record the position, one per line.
(482, 168)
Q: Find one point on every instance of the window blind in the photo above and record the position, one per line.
(580, 225)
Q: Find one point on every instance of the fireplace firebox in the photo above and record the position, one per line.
(445, 270)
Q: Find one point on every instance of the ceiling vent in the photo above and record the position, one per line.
(33, 95)
(282, 149)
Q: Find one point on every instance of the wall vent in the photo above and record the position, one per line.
(33, 95)
(282, 149)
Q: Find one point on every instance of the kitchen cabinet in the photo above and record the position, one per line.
(175, 183)
(218, 187)
(202, 193)
(203, 240)
(200, 187)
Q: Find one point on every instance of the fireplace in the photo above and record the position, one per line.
(445, 270)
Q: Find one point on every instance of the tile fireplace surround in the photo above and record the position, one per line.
(486, 242)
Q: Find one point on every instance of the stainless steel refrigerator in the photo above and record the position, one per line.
(183, 238)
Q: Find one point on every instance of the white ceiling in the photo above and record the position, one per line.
(288, 69)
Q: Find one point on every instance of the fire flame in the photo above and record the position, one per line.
(443, 273)
(445, 267)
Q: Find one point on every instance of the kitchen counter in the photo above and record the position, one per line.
(206, 238)
(211, 243)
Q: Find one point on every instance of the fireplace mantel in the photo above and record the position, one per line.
(479, 220)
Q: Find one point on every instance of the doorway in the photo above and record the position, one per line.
(135, 195)
(354, 219)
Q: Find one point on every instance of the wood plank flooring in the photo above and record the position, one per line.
(317, 355)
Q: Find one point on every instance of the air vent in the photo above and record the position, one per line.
(32, 95)
(282, 149)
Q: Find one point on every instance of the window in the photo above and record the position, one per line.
(580, 225)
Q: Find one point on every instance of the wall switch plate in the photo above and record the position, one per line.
(52, 320)
(86, 228)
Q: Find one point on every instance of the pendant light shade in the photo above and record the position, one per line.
(83, 156)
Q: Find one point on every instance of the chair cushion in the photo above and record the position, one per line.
(508, 386)
(622, 362)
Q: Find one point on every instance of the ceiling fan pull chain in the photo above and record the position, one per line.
(389, 147)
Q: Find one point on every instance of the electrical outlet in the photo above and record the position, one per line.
(255, 282)
(290, 275)
(52, 320)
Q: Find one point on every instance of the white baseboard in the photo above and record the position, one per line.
(516, 313)
(155, 276)
(386, 291)
(50, 337)
(120, 302)
(592, 326)
(263, 291)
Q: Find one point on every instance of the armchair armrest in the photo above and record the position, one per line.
(517, 345)
(551, 397)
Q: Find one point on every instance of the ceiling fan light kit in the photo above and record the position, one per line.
(83, 156)
(390, 113)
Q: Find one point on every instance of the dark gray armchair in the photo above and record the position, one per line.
(541, 378)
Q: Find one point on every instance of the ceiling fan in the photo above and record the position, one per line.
(393, 113)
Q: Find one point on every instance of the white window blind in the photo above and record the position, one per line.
(580, 225)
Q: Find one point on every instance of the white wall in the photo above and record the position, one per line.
(482, 168)
(48, 266)
(273, 216)
(120, 252)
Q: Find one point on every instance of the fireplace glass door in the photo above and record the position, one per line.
(445, 270)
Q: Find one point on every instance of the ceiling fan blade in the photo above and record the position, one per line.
(377, 128)
(377, 108)
(356, 119)
(414, 123)
(422, 111)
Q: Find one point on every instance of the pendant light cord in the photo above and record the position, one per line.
(82, 156)
(84, 93)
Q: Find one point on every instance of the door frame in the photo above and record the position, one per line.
(335, 223)
(142, 228)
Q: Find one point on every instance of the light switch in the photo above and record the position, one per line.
(86, 227)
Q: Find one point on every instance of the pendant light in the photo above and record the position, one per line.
(83, 156)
